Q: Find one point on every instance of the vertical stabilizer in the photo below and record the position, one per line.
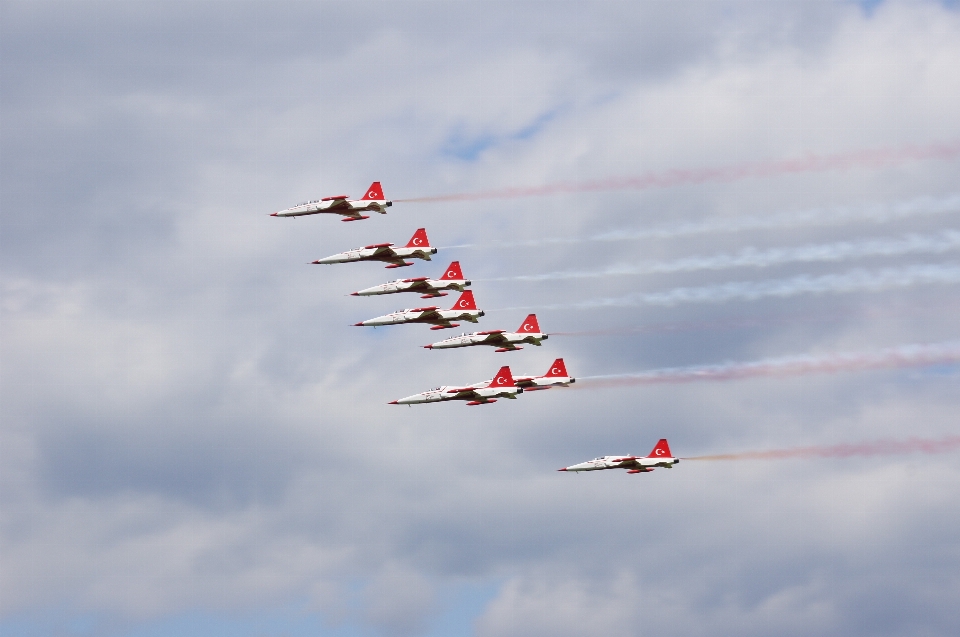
(465, 302)
(503, 378)
(374, 193)
(558, 369)
(530, 326)
(419, 239)
(662, 450)
(453, 272)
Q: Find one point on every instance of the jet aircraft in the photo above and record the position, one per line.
(417, 248)
(501, 386)
(452, 279)
(659, 457)
(373, 201)
(528, 332)
(556, 376)
(465, 309)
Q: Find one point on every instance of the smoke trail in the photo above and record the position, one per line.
(896, 357)
(858, 280)
(935, 308)
(752, 257)
(870, 158)
(875, 448)
(815, 217)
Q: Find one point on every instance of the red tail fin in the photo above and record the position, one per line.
(662, 450)
(503, 378)
(557, 369)
(465, 302)
(530, 326)
(374, 193)
(419, 239)
(453, 272)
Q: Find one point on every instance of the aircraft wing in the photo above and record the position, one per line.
(495, 336)
(465, 392)
(338, 204)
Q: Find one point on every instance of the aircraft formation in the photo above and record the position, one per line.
(505, 384)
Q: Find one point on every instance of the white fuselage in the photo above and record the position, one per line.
(500, 340)
(478, 391)
(420, 316)
(427, 286)
(336, 206)
(610, 462)
(374, 254)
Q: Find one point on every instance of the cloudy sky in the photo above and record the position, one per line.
(194, 442)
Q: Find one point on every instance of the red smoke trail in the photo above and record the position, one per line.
(876, 448)
(899, 357)
(870, 158)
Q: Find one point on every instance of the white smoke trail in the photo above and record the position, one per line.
(814, 217)
(858, 280)
(752, 257)
(894, 357)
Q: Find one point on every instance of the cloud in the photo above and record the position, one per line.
(188, 424)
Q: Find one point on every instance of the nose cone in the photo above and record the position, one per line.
(393, 402)
(354, 294)
(564, 469)
(428, 347)
(357, 325)
(273, 214)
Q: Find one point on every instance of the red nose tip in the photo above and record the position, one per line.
(393, 402)
(564, 469)
(273, 214)
(428, 347)
(354, 294)
(358, 325)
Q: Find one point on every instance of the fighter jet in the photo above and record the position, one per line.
(417, 248)
(556, 376)
(465, 309)
(528, 332)
(452, 279)
(373, 201)
(659, 457)
(486, 392)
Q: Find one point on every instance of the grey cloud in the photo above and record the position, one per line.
(185, 409)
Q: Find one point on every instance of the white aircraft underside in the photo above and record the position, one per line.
(417, 248)
(659, 457)
(452, 280)
(528, 332)
(503, 341)
(482, 393)
(441, 319)
(373, 201)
